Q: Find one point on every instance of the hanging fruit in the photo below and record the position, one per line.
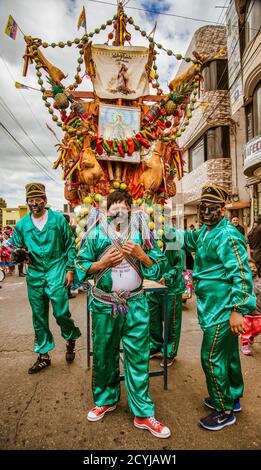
(61, 100)
(170, 107)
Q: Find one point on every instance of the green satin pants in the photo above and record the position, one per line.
(221, 363)
(155, 302)
(133, 329)
(39, 299)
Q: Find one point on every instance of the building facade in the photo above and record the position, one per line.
(11, 215)
(207, 140)
(222, 144)
(249, 20)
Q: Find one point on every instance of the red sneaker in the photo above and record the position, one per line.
(98, 412)
(155, 427)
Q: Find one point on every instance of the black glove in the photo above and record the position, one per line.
(21, 255)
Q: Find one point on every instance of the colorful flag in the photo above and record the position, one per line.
(11, 27)
(20, 85)
(82, 19)
(152, 33)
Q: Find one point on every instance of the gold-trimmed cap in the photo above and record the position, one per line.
(35, 189)
(214, 193)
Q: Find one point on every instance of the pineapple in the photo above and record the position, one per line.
(61, 100)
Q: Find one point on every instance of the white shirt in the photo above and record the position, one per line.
(40, 222)
(125, 277)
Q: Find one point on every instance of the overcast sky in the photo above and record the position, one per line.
(54, 21)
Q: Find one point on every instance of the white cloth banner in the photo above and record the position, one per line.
(120, 71)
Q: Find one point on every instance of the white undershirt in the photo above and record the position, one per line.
(125, 277)
(39, 222)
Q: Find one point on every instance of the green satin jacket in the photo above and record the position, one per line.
(222, 277)
(173, 274)
(95, 245)
(52, 248)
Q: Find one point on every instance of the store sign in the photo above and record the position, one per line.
(253, 152)
(234, 60)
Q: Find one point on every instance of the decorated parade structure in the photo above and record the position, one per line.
(119, 136)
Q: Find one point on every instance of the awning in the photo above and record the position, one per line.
(238, 205)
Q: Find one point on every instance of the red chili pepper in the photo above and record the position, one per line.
(99, 147)
(84, 116)
(131, 146)
(109, 142)
(120, 148)
(71, 116)
(161, 125)
(149, 135)
(143, 141)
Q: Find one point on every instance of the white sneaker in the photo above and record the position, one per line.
(74, 291)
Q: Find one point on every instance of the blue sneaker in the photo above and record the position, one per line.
(236, 408)
(217, 420)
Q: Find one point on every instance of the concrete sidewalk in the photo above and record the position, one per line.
(48, 410)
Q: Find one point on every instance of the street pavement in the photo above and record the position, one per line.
(48, 410)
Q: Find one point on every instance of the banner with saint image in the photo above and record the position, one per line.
(120, 72)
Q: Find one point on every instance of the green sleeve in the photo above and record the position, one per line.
(155, 272)
(190, 240)
(177, 239)
(18, 238)
(86, 257)
(176, 261)
(69, 244)
(232, 253)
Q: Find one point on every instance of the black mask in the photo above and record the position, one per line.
(210, 215)
(36, 207)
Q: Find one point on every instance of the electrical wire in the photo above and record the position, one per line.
(25, 151)
(6, 108)
(25, 100)
(155, 12)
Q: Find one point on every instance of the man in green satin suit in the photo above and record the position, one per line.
(118, 256)
(224, 289)
(173, 279)
(47, 237)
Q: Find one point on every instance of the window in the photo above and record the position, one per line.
(10, 222)
(253, 114)
(249, 121)
(257, 110)
(217, 140)
(214, 144)
(215, 75)
(197, 154)
(252, 20)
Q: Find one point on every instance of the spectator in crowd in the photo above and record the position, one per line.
(252, 323)
(235, 222)
(254, 240)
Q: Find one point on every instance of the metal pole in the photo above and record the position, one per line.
(88, 349)
(165, 311)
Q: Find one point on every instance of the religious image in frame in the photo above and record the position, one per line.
(119, 122)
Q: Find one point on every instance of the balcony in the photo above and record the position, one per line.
(218, 171)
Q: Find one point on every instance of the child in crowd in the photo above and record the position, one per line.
(252, 323)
